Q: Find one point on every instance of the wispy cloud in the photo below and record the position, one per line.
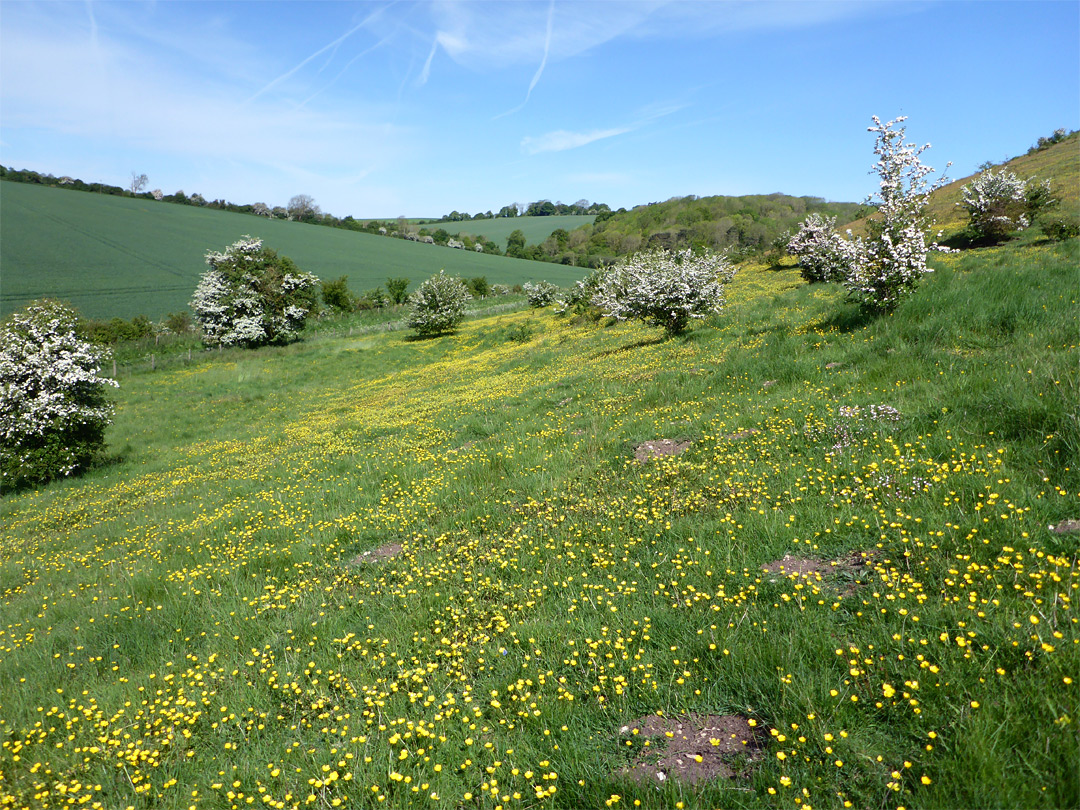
(143, 103)
(328, 47)
(561, 140)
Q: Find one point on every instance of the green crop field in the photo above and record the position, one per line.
(536, 229)
(371, 571)
(113, 256)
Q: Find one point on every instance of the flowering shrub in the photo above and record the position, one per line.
(53, 410)
(250, 296)
(890, 262)
(665, 289)
(1001, 203)
(579, 298)
(438, 305)
(823, 254)
(540, 294)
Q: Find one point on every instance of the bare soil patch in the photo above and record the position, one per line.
(691, 749)
(741, 434)
(1066, 527)
(384, 552)
(844, 573)
(803, 566)
(655, 448)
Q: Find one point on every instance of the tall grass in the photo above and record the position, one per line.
(196, 623)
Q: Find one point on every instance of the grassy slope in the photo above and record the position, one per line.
(111, 256)
(1059, 163)
(536, 229)
(190, 624)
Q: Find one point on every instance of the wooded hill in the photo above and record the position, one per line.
(741, 225)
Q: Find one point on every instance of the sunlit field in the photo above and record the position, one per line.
(382, 572)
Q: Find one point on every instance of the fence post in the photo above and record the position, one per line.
(114, 368)
(153, 363)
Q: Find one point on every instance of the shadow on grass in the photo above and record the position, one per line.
(849, 319)
(433, 336)
(638, 344)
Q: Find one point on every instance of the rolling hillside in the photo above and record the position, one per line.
(378, 572)
(1059, 163)
(113, 256)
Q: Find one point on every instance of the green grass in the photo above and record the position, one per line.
(193, 623)
(118, 257)
(536, 229)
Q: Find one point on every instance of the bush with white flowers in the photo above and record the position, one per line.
(438, 305)
(665, 289)
(823, 254)
(250, 296)
(999, 204)
(889, 263)
(540, 294)
(53, 408)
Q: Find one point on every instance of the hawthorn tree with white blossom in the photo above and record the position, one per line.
(53, 408)
(888, 264)
(251, 296)
(999, 204)
(823, 254)
(665, 289)
(438, 305)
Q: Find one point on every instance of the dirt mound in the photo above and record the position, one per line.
(655, 448)
(384, 552)
(691, 749)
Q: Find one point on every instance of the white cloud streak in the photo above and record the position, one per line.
(322, 50)
(561, 140)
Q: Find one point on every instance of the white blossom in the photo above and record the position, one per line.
(540, 294)
(438, 305)
(53, 410)
(665, 289)
(823, 254)
(998, 203)
(250, 296)
(889, 263)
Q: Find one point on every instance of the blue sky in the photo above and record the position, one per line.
(379, 109)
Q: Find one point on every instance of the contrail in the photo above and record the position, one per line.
(539, 70)
(321, 50)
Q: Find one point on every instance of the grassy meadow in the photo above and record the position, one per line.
(122, 257)
(372, 571)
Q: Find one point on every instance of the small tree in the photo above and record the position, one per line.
(1002, 203)
(540, 294)
(396, 289)
(336, 295)
(438, 305)
(890, 262)
(823, 254)
(665, 289)
(250, 296)
(478, 286)
(302, 207)
(138, 182)
(53, 409)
